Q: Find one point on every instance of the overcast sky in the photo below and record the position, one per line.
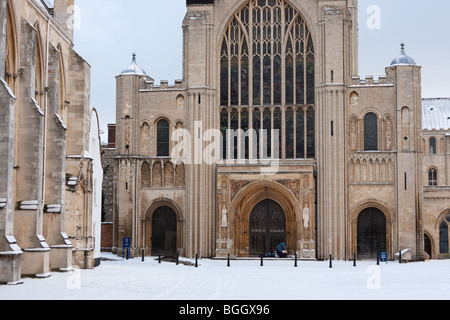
(109, 31)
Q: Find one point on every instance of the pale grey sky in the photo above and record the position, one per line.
(111, 30)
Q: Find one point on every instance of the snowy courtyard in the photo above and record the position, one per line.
(119, 279)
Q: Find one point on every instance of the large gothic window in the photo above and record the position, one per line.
(267, 76)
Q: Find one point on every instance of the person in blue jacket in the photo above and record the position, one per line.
(282, 250)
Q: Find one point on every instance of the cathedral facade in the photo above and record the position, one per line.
(50, 146)
(272, 136)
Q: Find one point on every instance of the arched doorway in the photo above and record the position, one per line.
(371, 233)
(427, 245)
(267, 227)
(164, 232)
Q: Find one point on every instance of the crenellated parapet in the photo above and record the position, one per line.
(369, 80)
(163, 85)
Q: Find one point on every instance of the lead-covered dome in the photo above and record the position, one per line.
(403, 58)
(133, 68)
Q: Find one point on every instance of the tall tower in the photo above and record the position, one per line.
(127, 133)
(406, 76)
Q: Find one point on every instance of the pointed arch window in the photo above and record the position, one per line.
(264, 38)
(267, 66)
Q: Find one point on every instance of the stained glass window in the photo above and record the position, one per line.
(310, 131)
(267, 134)
(223, 130)
(256, 132)
(289, 133)
(244, 133)
(300, 133)
(267, 74)
(234, 122)
(277, 120)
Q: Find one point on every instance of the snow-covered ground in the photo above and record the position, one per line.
(243, 280)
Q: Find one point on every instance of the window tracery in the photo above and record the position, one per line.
(432, 177)
(267, 82)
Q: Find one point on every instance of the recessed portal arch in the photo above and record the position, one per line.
(164, 232)
(371, 233)
(163, 228)
(242, 212)
(267, 227)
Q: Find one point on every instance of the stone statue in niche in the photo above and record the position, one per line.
(306, 213)
(180, 102)
(388, 135)
(224, 217)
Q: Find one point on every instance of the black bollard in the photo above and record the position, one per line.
(159, 257)
(331, 263)
(127, 253)
(354, 260)
(378, 258)
(196, 260)
(295, 263)
(178, 256)
(400, 256)
(143, 254)
(228, 260)
(262, 259)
